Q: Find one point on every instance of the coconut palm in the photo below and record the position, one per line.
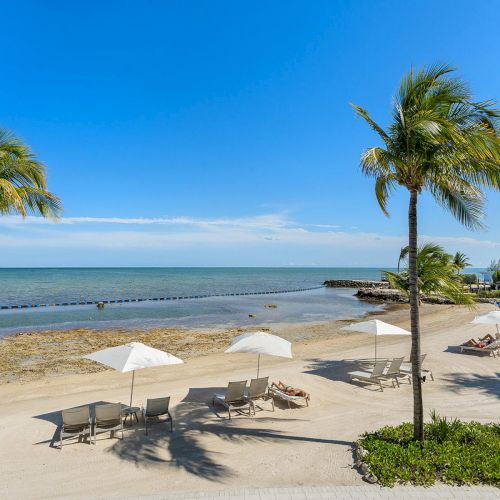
(22, 181)
(438, 141)
(436, 275)
(460, 261)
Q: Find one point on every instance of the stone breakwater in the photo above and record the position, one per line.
(355, 284)
(391, 295)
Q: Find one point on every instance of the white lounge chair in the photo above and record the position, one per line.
(394, 370)
(258, 390)
(234, 398)
(276, 393)
(492, 349)
(406, 368)
(375, 376)
(108, 418)
(75, 422)
(155, 408)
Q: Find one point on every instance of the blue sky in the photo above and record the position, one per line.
(220, 133)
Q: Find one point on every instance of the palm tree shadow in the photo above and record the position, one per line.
(486, 384)
(336, 370)
(195, 418)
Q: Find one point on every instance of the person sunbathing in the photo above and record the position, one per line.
(291, 391)
(474, 343)
(488, 339)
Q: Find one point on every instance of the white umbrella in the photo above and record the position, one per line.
(376, 327)
(261, 343)
(491, 318)
(131, 357)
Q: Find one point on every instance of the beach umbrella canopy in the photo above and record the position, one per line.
(131, 357)
(261, 343)
(491, 318)
(376, 327)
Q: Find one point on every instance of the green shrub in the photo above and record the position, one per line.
(454, 452)
(492, 294)
(469, 279)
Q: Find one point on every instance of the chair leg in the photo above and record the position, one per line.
(171, 421)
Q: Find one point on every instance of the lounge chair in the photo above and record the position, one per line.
(258, 390)
(492, 349)
(375, 376)
(234, 398)
(75, 422)
(276, 393)
(108, 418)
(394, 370)
(406, 368)
(155, 408)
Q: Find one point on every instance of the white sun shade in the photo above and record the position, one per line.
(133, 356)
(261, 343)
(376, 327)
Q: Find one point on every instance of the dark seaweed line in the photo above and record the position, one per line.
(120, 301)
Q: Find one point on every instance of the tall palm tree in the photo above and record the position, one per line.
(23, 188)
(442, 142)
(460, 261)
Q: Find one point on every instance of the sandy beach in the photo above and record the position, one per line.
(205, 451)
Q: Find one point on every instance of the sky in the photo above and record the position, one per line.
(220, 133)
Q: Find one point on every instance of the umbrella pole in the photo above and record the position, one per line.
(258, 366)
(375, 348)
(132, 388)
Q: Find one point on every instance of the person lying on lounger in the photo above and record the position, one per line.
(488, 339)
(291, 391)
(474, 343)
(482, 342)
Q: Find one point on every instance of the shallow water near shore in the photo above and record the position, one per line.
(322, 304)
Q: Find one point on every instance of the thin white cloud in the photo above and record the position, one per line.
(272, 221)
(272, 234)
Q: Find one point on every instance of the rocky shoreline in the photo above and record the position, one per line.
(379, 292)
(355, 284)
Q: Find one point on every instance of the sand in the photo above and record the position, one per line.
(299, 446)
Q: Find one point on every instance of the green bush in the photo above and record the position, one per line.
(491, 294)
(469, 279)
(453, 452)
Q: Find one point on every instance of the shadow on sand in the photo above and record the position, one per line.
(486, 384)
(54, 417)
(194, 418)
(338, 370)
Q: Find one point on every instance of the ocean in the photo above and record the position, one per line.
(219, 307)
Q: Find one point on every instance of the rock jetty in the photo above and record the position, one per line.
(355, 284)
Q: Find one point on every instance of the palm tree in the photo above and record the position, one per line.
(460, 261)
(442, 142)
(22, 181)
(436, 276)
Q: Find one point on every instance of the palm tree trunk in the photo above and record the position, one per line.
(418, 408)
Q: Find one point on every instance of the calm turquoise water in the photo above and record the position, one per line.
(47, 286)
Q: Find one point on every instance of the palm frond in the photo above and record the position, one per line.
(22, 181)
